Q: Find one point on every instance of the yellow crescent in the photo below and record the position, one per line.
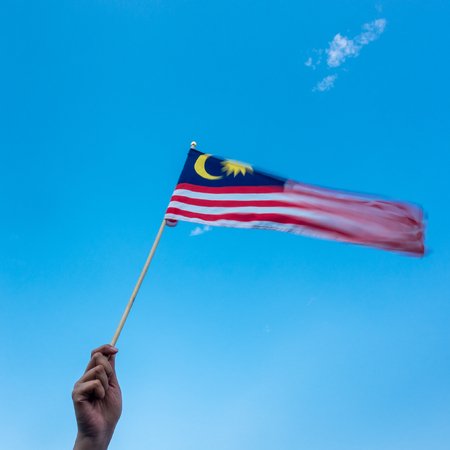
(199, 167)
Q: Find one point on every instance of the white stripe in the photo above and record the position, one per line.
(362, 208)
(294, 199)
(288, 196)
(275, 196)
(349, 225)
(265, 225)
(320, 220)
(375, 239)
(323, 218)
(219, 210)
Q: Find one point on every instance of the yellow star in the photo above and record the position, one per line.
(232, 166)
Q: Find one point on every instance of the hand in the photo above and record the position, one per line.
(97, 401)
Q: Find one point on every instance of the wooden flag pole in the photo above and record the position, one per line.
(138, 285)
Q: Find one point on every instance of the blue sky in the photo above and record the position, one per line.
(239, 339)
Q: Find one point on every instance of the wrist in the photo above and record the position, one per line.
(89, 443)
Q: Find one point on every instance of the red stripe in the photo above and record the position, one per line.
(360, 216)
(251, 217)
(412, 213)
(234, 203)
(410, 242)
(294, 188)
(231, 189)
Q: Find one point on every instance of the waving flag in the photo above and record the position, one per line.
(229, 193)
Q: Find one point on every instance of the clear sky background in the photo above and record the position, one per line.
(239, 339)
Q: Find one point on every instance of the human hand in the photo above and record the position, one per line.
(97, 401)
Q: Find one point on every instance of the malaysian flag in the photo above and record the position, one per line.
(229, 193)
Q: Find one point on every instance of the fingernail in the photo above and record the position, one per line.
(114, 349)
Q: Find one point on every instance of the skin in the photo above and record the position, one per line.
(97, 400)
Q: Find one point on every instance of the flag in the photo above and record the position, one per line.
(229, 193)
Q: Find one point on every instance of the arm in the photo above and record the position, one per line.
(97, 401)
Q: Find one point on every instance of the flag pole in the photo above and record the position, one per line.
(138, 285)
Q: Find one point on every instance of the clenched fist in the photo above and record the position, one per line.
(97, 401)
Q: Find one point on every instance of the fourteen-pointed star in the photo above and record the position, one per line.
(231, 166)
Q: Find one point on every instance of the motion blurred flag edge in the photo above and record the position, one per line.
(227, 193)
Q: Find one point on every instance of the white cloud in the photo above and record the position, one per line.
(309, 62)
(341, 47)
(326, 84)
(374, 29)
(379, 7)
(197, 230)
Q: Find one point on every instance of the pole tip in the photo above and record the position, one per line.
(193, 144)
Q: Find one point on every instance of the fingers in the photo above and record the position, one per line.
(98, 359)
(105, 349)
(99, 375)
(90, 388)
(96, 373)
